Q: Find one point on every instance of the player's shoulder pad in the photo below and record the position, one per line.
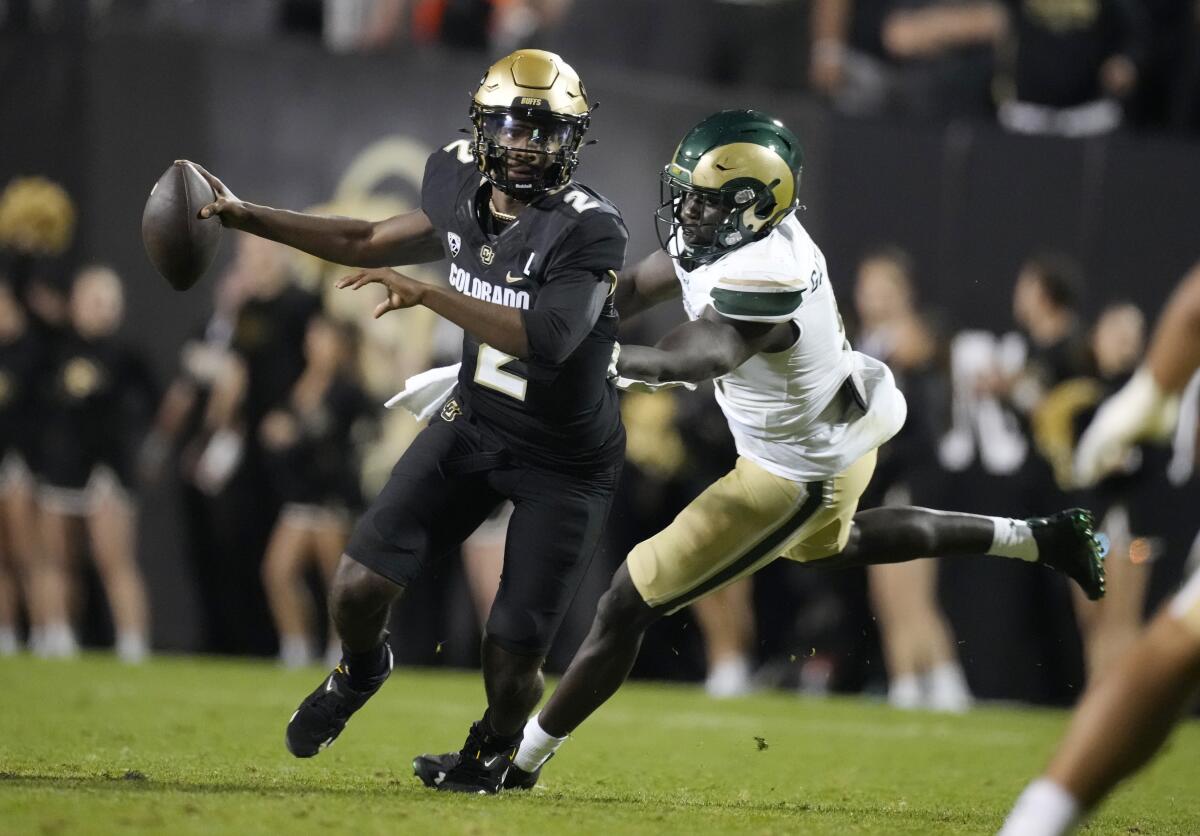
(757, 290)
(450, 162)
(584, 201)
(594, 237)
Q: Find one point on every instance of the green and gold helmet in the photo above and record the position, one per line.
(528, 118)
(732, 179)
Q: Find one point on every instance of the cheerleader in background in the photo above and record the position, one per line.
(310, 445)
(99, 399)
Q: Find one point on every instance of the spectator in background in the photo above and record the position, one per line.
(19, 365)
(309, 440)
(1117, 343)
(1069, 65)
(265, 360)
(918, 644)
(989, 460)
(99, 401)
(922, 57)
(498, 26)
(212, 548)
(37, 226)
(1045, 301)
(1160, 99)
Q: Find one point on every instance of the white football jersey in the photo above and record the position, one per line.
(784, 408)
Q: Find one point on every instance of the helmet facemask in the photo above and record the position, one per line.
(526, 152)
(698, 225)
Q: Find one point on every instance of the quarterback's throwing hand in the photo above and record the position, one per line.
(402, 291)
(228, 209)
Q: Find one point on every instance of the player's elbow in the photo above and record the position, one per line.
(549, 339)
(363, 246)
(695, 368)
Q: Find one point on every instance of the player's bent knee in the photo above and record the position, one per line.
(356, 585)
(518, 633)
(621, 608)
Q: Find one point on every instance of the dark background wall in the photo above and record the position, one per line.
(280, 122)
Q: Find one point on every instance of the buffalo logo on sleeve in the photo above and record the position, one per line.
(455, 243)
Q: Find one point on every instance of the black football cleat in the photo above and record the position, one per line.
(518, 779)
(480, 767)
(324, 713)
(1068, 541)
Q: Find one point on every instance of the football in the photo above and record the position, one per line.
(180, 245)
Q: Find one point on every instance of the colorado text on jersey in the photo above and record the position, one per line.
(476, 288)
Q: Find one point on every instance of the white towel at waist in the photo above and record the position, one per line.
(424, 393)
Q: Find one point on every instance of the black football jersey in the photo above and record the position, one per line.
(550, 411)
(100, 396)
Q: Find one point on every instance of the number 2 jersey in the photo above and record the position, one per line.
(791, 411)
(557, 264)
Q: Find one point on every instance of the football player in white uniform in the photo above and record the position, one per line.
(806, 411)
(1127, 714)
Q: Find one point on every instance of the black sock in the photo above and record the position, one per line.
(364, 669)
(496, 741)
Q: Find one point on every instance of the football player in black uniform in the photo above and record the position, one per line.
(533, 419)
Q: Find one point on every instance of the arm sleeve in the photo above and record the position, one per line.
(564, 313)
(580, 279)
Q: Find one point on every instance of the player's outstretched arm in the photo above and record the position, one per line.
(1146, 405)
(701, 350)
(649, 282)
(562, 315)
(403, 239)
(498, 326)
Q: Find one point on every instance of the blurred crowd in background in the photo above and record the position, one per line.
(271, 433)
(1063, 67)
(271, 430)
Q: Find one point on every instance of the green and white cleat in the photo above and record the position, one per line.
(1069, 543)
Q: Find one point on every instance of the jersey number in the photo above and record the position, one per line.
(461, 149)
(488, 372)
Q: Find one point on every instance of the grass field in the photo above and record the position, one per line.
(196, 746)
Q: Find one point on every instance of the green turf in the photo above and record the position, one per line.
(196, 746)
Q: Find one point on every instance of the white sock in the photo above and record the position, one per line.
(904, 692)
(9, 645)
(132, 647)
(729, 678)
(1044, 809)
(536, 746)
(295, 651)
(946, 689)
(58, 642)
(1013, 538)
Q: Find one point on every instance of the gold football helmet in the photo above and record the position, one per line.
(528, 118)
(746, 165)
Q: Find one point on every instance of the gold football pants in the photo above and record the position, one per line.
(740, 523)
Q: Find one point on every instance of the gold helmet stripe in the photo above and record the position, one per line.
(743, 159)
